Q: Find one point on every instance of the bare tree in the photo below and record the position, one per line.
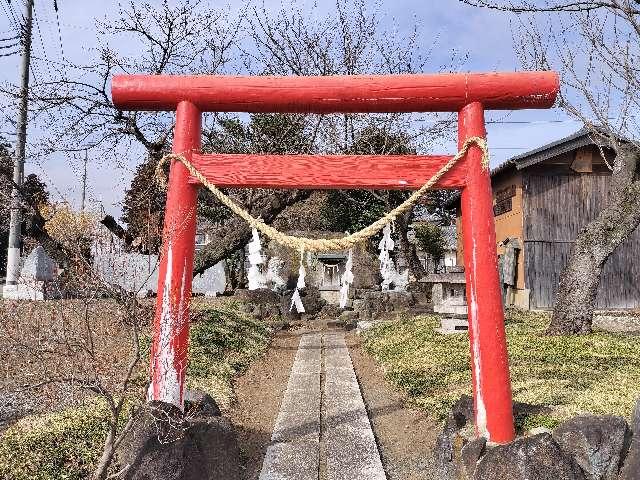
(73, 105)
(596, 47)
(76, 111)
(84, 347)
(350, 39)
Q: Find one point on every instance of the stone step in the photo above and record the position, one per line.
(453, 325)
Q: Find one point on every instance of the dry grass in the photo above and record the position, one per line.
(65, 442)
(597, 373)
(45, 345)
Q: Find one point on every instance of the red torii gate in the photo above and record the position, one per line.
(468, 94)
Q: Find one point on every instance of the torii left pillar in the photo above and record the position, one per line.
(171, 323)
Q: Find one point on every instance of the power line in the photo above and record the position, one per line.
(71, 25)
(10, 54)
(44, 51)
(66, 63)
(55, 7)
(19, 27)
(11, 16)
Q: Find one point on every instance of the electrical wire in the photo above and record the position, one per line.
(19, 27)
(55, 7)
(66, 63)
(40, 36)
(11, 15)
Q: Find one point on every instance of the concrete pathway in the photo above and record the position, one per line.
(322, 431)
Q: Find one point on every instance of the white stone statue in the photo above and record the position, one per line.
(346, 280)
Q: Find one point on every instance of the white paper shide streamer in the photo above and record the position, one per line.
(387, 267)
(296, 301)
(256, 279)
(346, 280)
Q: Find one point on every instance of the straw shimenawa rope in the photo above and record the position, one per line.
(324, 244)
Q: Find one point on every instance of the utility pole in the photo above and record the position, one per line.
(84, 182)
(13, 255)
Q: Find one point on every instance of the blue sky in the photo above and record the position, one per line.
(444, 26)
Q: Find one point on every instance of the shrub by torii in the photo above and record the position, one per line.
(467, 94)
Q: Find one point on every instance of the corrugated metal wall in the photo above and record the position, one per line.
(556, 208)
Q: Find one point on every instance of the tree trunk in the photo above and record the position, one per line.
(580, 279)
(236, 233)
(407, 249)
(235, 271)
(118, 230)
(102, 469)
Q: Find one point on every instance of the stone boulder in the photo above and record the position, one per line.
(261, 303)
(597, 443)
(582, 448)
(537, 457)
(197, 402)
(450, 442)
(311, 300)
(259, 296)
(377, 304)
(331, 310)
(164, 444)
(631, 468)
(348, 318)
(470, 455)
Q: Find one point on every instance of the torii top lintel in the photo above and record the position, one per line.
(447, 92)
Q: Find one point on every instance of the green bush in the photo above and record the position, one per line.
(597, 373)
(61, 445)
(223, 343)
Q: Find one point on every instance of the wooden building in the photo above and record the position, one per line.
(542, 199)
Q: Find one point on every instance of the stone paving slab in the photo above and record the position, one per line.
(336, 443)
(294, 452)
(350, 447)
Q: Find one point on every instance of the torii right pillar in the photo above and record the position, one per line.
(489, 359)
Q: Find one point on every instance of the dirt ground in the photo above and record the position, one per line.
(258, 395)
(405, 436)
